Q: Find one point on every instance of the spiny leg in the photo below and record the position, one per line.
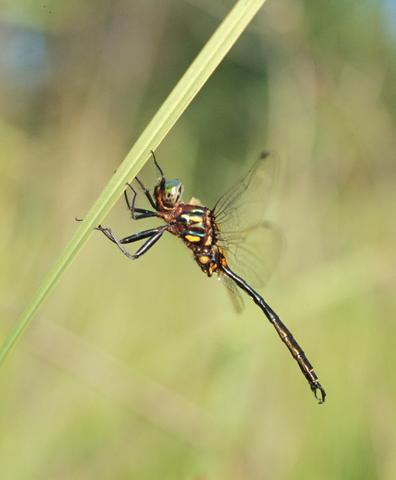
(153, 235)
(130, 205)
(145, 190)
(284, 333)
(137, 213)
(147, 193)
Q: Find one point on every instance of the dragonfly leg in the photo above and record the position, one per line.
(157, 165)
(284, 333)
(145, 190)
(153, 235)
(150, 242)
(147, 193)
(137, 213)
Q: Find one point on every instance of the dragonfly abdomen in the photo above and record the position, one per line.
(284, 333)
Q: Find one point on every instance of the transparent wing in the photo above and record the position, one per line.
(244, 203)
(252, 245)
(235, 294)
(254, 252)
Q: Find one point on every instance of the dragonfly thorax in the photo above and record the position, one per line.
(196, 226)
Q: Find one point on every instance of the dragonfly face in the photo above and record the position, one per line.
(168, 194)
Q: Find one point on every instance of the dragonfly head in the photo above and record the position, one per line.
(168, 193)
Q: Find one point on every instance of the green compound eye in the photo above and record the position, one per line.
(173, 190)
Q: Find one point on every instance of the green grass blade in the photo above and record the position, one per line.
(178, 100)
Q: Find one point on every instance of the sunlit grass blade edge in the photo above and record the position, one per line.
(178, 100)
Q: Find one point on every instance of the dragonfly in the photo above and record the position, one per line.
(220, 238)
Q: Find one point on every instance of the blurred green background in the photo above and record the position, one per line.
(143, 370)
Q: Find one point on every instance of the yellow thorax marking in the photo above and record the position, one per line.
(196, 219)
(188, 218)
(208, 241)
(192, 238)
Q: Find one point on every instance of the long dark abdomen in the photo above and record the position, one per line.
(284, 333)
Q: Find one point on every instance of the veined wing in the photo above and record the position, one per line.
(252, 245)
(253, 252)
(244, 204)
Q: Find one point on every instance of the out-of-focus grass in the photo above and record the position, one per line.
(142, 370)
(163, 120)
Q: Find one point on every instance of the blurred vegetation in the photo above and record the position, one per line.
(143, 370)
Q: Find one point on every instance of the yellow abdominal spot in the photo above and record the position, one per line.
(213, 267)
(204, 259)
(192, 238)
